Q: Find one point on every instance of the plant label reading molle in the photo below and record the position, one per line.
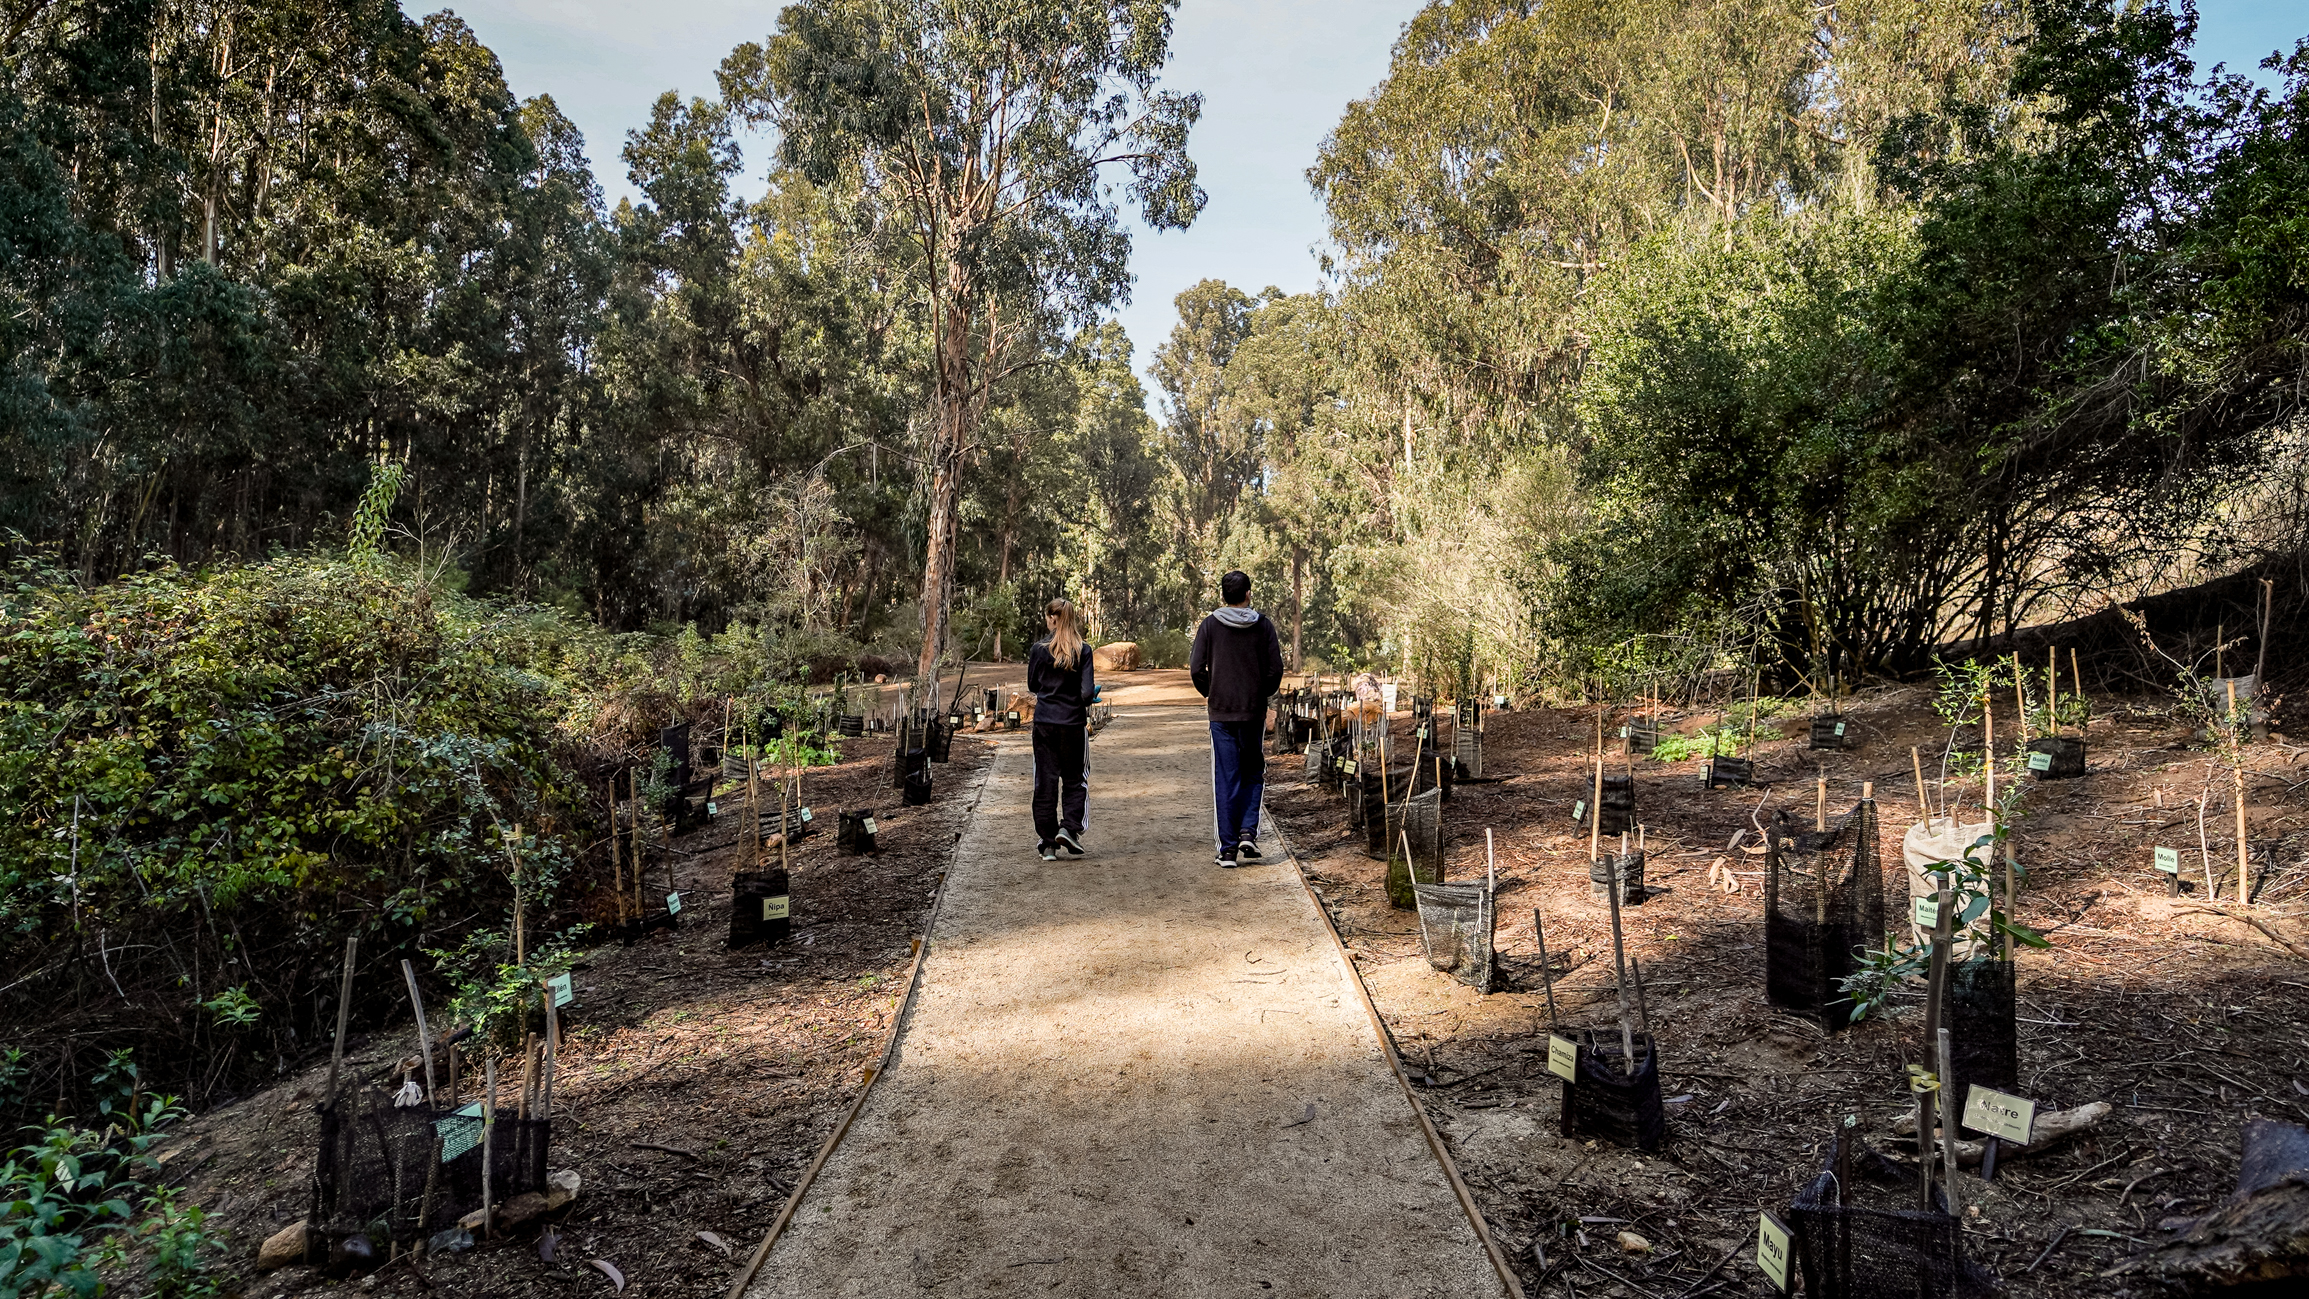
(1927, 913)
(1563, 1058)
(774, 908)
(2169, 860)
(2040, 762)
(2007, 1118)
(1772, 1249)
(564, 989)
(673, 904)
(1579, 811)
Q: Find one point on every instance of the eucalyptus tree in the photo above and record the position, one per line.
(986, 128)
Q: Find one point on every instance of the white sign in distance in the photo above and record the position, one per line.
(2007, 1118)
(1563, 1057)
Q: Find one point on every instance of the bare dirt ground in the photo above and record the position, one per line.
(2182, 1016)
(695, 1082)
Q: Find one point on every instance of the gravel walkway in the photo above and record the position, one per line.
(1105, 1082)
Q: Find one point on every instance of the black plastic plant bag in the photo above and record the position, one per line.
(1874, 1240)
(1604, 1102)
(1457, 924)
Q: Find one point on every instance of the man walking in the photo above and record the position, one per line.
(1237, 663)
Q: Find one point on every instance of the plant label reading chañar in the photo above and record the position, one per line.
(2007, 1118)
(1563, 1058)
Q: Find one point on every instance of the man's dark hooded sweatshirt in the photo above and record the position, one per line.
(1237, 663)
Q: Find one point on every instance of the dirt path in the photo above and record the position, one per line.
(1105, 1082)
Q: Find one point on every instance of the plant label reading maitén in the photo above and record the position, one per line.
(1772, 1249)
(2169, 860)
(2007, 1118)
(1563, 1058)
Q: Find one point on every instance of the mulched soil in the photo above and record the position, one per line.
(2182, 1015)
(695, 1083)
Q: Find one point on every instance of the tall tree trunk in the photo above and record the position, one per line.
(1298, 600)
(949, 437)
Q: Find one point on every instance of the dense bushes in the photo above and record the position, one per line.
(209, 779)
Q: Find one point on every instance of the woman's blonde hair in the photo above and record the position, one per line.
(1065, 638)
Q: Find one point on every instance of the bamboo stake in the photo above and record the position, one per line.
(552, 1057)
(344, 1015)
(1916, 760)
(2076, 680)
(488, 1142)
(2237, 779)
(1595, 817)
(1948, 1113)
(640, 858)
(1619, 961)
(1643, 1009)
(1988, 751)
(521, 1108)
(1820, 803)
(2051, 692)
(424, 1033)
(2261, 655)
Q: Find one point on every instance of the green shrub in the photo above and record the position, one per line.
(1163, 648)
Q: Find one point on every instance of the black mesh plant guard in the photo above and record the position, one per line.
(761, 907)
(1619, 805)
(1642, 733)
(850, 725)
(1823, 899)
(941, 742)
(916, 792)
(1317, 758)
(856, 833)
(1456, 926)
(1874, 1241)
(1467, 752)
(1418, 820)
(402, 1173)
(1358, 807)
(2064, 757)
(1983, 1042)
(910, 763)
(1627, 868)
(1830, 731)
(1603, 1101)
(1728, 773)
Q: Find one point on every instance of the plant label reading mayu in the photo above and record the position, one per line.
(1772, 1249)
(2007, 1118)
(1563, 1058)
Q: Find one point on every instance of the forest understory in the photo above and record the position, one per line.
(2180, 1014)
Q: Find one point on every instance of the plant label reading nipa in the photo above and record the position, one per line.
(2007, 1118)
(2169, 860)
(775, 908)
(1563, 1058)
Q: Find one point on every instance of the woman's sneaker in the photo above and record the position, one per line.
(1048, 853)
(1068, 841)
(1226, 857)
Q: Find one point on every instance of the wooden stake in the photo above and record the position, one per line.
(552, 1056)
(521, 1107)
(640, 859)
(616, 858)
(2051, 692)
(1595, 817)
(1916, 760)
(2076, 680)
(488, 1141)
(1546, 972)
(1937, 992)
(2261, 655)
(1948, 1112)
(1619, 959)
(1643, 1009)
(1988, 752)
(1820, 803)
(2237, 780)
(344, 1015)
(424, 1033)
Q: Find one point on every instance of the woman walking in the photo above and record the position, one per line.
(1058, 675)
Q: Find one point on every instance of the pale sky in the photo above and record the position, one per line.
(1275, 75)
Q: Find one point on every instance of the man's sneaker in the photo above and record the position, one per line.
(1068, 840)
(1226, 857)
(1048, 853)
(1247, 850)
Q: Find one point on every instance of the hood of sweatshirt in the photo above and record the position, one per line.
(1232, 616)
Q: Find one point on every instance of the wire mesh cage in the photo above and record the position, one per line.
(1983, 1038)
(1418, 822)
(1869, 1237)
(1457, 925)
(1625, 868)
(1823, 900)
(391, 1173)
(1605, 1101)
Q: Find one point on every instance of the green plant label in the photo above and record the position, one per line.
(1927, 913)
(564, 989)
(2040, 762)
(1563, 1057)
(673, 904)
(774, 908)
(460, 1131)
(1499, 701)
(1347, 766)
(1014, 714)
(805, 814)
(713, 808)
(1623, 732)
(1772, 1249)
(1839, 730)
(1422, 733)
(1579, 811)
(868, 826)
(2169, 860)
(2007, 1118)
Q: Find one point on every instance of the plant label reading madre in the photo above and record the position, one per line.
(2007, 1118)
(1563, 1058)
(1772, 1249)
(1927, 913)
(2169, 860)
(564, 989)
(775, 908)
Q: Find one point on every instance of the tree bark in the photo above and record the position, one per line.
(1298, 601)
(948, 439)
